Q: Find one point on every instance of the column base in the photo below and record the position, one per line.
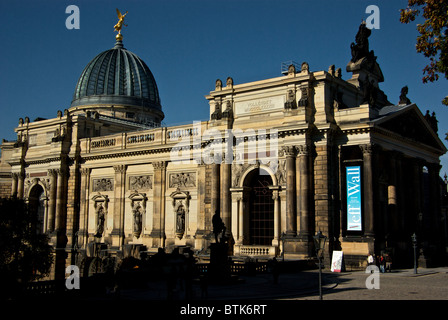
(300, 245)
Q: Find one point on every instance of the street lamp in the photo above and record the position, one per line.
(414, 244)
(319, 243)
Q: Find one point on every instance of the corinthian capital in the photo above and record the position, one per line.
(121, 168)
(289, 151)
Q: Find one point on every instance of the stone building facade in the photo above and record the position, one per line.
(279, 160)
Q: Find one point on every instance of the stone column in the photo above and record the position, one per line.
(276, 198)
(52, 199)
(367, 152)
(226, 197)
(290, 153)
(60, 201)
(84, 207)
(15, 178)
(303, 192)
(201, 228)
(215, 192)
(158, 232)
(20, 183)
(119, 189)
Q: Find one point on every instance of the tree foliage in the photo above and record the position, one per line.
(25, 254)
(433, 39)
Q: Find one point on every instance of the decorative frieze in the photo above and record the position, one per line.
(182, 180)
(140, 182)
(103, 184)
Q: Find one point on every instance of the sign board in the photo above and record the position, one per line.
(354, 206)
(336, 261)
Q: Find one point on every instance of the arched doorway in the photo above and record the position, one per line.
(36, 202)
(261, 208)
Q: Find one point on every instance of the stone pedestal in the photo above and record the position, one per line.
(219, 268)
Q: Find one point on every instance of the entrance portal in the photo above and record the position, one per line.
(261, 204)
(36, 202)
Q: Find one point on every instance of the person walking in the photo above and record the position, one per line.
(388, 263)
(370, 262)
(382, 264)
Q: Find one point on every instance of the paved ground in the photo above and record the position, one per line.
(428, 284)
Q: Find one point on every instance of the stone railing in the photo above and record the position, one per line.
(257, 250)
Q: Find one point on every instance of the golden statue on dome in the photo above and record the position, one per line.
(120, 24)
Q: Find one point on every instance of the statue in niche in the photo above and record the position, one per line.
(180, 220)
(138, 213)
(100, 214)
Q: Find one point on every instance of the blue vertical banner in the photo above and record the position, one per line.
(353, 181)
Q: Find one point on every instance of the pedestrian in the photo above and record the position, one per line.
(370, 262)
(382, 264)
(388, 263)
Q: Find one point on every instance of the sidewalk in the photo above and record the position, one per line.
(301, 285)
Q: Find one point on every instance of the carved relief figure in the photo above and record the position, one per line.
(178, 180)
(281, 172)
(103, 185)
(140, 182)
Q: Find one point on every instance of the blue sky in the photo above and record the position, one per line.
(189, 44)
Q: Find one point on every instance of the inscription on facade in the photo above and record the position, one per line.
(259, 105)
(102, 143)
(140, 138)
(179, 133)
